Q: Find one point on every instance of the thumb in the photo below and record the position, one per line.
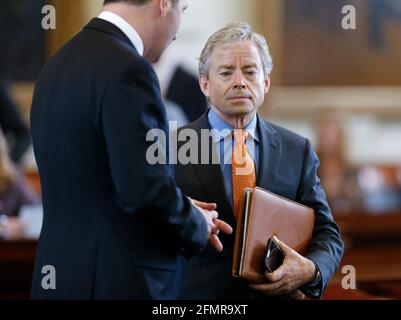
(286, 249)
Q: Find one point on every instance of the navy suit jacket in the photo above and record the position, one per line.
(114, 226)
(288, 167)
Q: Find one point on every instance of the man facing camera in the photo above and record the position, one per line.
(234, 74)
(114, 226)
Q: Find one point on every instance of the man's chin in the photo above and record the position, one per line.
(242, 109)
(154, 59)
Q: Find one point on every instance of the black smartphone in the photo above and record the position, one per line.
(273, 257)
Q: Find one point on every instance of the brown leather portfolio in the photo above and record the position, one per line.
(263, 215)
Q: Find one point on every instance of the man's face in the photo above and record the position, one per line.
(171, 22)
(236, 85)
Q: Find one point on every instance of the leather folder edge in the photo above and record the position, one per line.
(239, 234)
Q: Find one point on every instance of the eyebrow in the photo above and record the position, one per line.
(226, 66)
(231, 67)
(251, 65)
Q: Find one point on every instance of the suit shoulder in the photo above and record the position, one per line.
(140, 65)
(115, 55)
(286, 135)
(198, 124)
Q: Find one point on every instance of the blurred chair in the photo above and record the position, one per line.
(380, 187)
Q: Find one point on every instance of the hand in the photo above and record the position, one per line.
(296, 295)
(295, 271)
(214, 224)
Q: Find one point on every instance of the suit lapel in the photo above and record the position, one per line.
(210, 175)
(269, 155)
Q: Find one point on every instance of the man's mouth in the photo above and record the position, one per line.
(239, 98)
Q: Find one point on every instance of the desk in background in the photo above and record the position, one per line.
(16, 267)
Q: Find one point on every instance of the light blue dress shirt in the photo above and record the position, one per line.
(224, 143)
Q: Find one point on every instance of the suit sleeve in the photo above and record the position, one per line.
(131, 107)
(326, 248)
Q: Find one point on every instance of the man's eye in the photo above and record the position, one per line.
(225, 74)
(251, 73)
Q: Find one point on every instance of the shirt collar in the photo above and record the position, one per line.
(125, 27)
(219, 124)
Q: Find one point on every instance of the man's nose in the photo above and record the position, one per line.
(239, 81)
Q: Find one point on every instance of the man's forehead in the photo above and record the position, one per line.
(245, 50)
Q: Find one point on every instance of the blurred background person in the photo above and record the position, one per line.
(13, 125)
(180, 89)
(338, 176)
(14, 194)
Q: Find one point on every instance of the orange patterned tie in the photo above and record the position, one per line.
(243, 169)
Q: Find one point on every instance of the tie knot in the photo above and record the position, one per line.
(240, 136)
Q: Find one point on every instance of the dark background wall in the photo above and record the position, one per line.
(22, 47)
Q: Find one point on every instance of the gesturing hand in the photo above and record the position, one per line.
(213, 223)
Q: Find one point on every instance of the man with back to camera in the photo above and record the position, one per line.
(114, 226)
(234, 74)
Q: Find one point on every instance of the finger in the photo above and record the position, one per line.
(276, 275)
(296, 295)
(213, 214)
(269, 289)
(213, 229)
(204, 205)
(223, 226)
(215, 241)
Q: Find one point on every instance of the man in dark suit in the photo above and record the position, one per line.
(234, 69)
(114, 226)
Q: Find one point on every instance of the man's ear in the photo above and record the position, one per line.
(204, 85)
(164, 6)
(267, 84)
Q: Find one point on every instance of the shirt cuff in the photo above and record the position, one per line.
(313, 289)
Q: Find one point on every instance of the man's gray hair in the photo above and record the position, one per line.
(235, 32)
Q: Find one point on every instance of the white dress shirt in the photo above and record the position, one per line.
(125, 27)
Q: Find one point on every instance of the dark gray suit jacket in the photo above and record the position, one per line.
(287, 166)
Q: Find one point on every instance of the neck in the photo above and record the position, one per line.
(141, 18)
(236, 121)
